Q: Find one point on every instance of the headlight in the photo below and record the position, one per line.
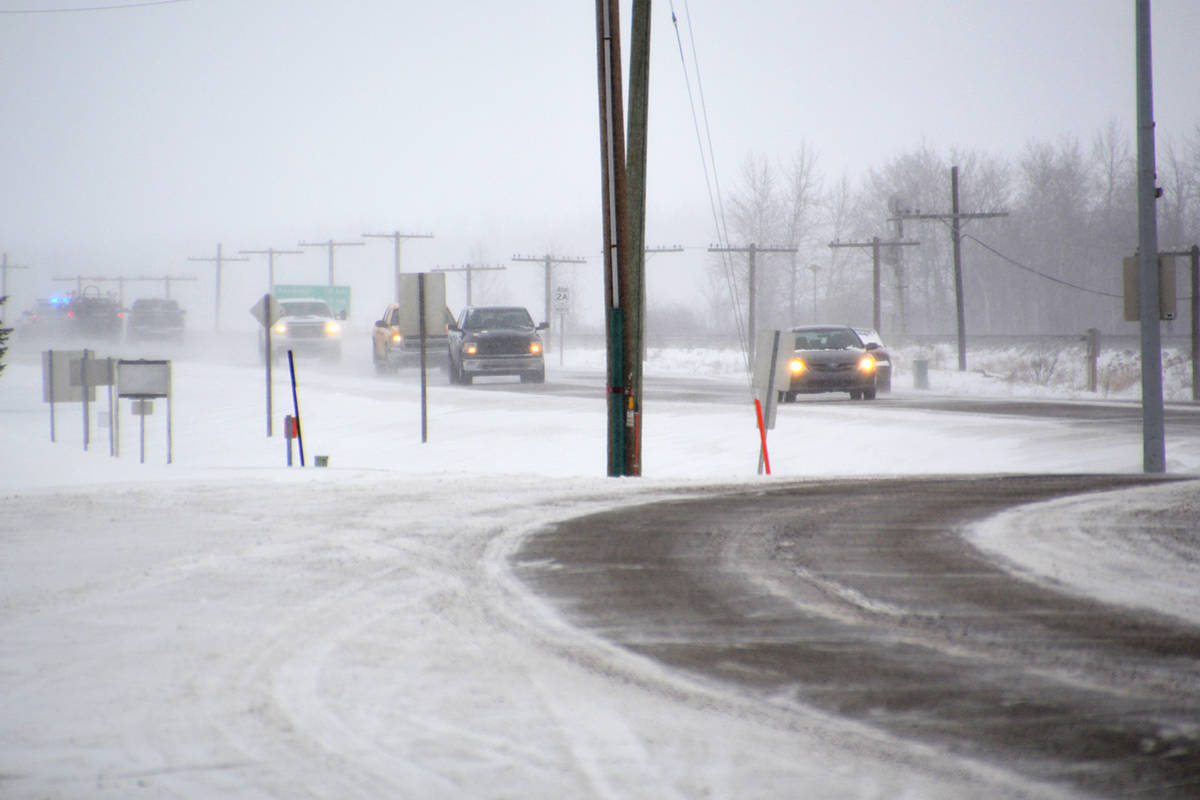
(333, 328)
(470, 348)
(797, 366)
(280, 328)
(866, 364)
(535, 348)
(397, 338)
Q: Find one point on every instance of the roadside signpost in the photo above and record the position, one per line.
(267, 311)
(142, 382)
(562, 304)
(771, 356)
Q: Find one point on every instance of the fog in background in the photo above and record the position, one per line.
(136, 138)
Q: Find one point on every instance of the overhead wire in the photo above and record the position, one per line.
(81, 9)
(711, 180)
(1033, 271)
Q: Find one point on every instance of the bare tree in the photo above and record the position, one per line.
(801, 195)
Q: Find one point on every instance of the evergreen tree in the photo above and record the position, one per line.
(4, 333)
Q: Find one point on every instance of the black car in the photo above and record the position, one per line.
(46, 319)
(883, 359)
(831, 358)
(96, 317)
(496, 340)
(155, 318)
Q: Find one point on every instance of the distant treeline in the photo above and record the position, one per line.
(1051, 265)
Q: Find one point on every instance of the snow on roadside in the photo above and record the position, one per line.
(1136, 547)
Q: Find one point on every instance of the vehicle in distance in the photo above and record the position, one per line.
(496, 340)
(96, 317)
(45, 319)
(306, 325)
(155, 318)
(883, 359)
(831, 358)
(396, 338)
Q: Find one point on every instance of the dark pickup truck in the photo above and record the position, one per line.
(155, 318)
(496, 340)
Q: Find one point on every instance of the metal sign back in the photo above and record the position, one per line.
(267, 311)
(143, 379)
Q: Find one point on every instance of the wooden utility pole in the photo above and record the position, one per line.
(752, 249)
(634, 283)
(875, 244)
(270, 253)
(330, 244)
(955, 218)
(398, 239)
(469, 269)
(548, 261)
(121, 280)
(220, 261)
(615, 219)
(166, 279)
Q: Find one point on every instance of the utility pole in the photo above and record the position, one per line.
(219, 261)
(634, 281)
(753, 250)
(270, 253)
(955, 217)
(398, 239)
(79, 279)
(875, 244)
(815, 269)
(121, 280)
(4, 268)
(894, 206)
(1194, 257)
(615, 208)
(469, 269)
(331, 244)
(1154, 457)
(166, 279)
(548, 261)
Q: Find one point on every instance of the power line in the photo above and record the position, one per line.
(82, 9)
(712, 182)
(875, 244)
(220, 261)
(398, 241)
(1033, 271)
(331, 244)
(955, 217)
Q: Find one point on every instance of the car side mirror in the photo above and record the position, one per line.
(872, 345)
(380, 323)
(543, 326)
(453, 327)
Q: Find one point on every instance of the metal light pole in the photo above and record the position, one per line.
(1153, 442)
(815, 269)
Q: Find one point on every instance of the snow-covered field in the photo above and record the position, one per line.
(225, 626)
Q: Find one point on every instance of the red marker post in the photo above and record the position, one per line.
(762, 432)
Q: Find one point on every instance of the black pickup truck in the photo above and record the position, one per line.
(496, 340)
(155, 318)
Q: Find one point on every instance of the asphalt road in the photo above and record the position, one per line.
(585, 383)
(861, 599)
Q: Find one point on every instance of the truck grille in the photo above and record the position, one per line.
(504, 346)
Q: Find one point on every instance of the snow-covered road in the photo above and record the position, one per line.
(224, 626)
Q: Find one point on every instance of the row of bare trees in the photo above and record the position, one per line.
(1052, 265)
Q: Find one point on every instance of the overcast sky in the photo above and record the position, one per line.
(136, 138)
